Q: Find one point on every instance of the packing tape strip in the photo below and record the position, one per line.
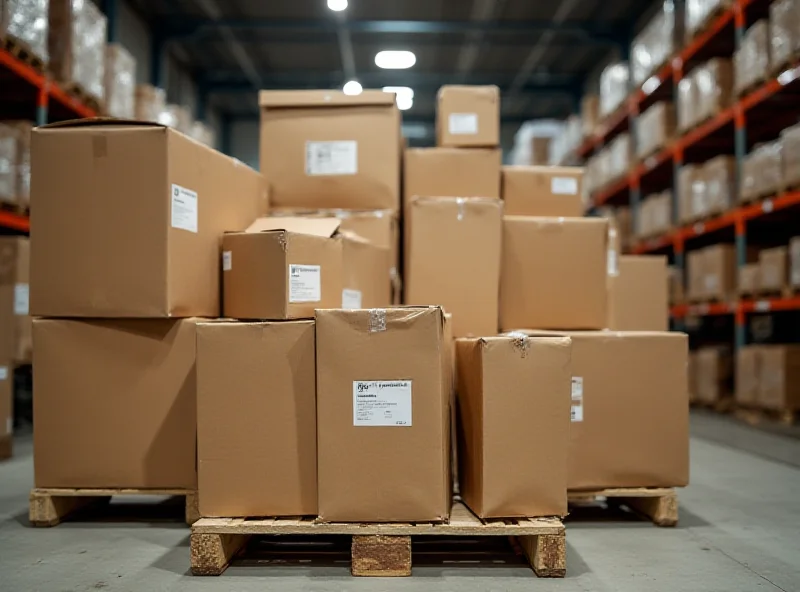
(520, 341)
(377, 320)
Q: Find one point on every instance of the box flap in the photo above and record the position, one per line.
(100, 122)
(322, 98)
(324, 227)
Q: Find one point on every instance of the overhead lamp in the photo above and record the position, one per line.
(395, 60)
(353, 87)
(337, 5)
(404, 102)
(400, 91)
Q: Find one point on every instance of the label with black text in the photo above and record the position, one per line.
(305, 283)
(577, 398)
(184, 208)
(382, 403)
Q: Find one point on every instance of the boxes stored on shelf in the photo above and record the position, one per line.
(748, 372)
(202, 133)
(773, 270)
(468, 116)
(15, 322)
(128, 220)
(115, 403)
(26, 21)
(120, 82)
(784, 33)
(177, 117)
(77, 45)
(691, 193)
(779, 384)
(762, 171)
(699, 12)
(543, 191)
(749, 279)
(751, 61)
(256, 419)
(590, 114)
(719, 177)
(366, 282)
(637, 294)
(149, 102)
(495, 375)
(453, 260)
(613, 87)
(655, 214)
(15, 164)
(655, 45)
(655, 128)
(282, 268)
(706, 91)
(383, 415)
(790, 157)
(553, 274)
(326, 149)
(713, 366)
(620, 154)
(794, 262)
(712, 273)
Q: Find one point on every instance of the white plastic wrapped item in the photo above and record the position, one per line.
(698, 13)
(655, 128)
(177, 117)
(614, 82)
(719, 174)
(526, 138)
(751, 62)
(654, 45)
(202, 133)
(120, 83)
(8, 164)
(27, 20)
(150, 102)
(714, 87)
(784, 33)
(762, 171)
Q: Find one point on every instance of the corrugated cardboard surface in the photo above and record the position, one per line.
(532, 377)
(637, 294)
(395, 473)
(294, 122)
(714, 371)
(543, 191)
(15, 323)
(256, 419)
(553, 273)
(115, 403)
(748, 372)
(779, 384)
(481, 104)
(106, 242)
(365, 273)
(454, 260)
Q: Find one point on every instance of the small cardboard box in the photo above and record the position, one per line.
(748, 372)
(774, 269)
(532, 376)
(325, 149)
(468, 116)
(365, 283)
(282, 268)
(128, 219)
(383, 415)
(714, 369)
(453, 260)
(779, 384)
(15, 323)
(115, 403)
(543, 191)
(749, 279)
(553, 273)
(638, 294)
(256, 419)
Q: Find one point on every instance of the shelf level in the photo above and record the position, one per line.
(14, 221)
(745, 306)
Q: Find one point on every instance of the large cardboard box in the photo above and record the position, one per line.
(532, 377)
(714, 372)
(365, 283)
(618, 437)
(779, 384)
(128, 219)
(468, 116)
(256, 419)
(638, 294)
(115, 403)
(749, 279)
(719, 267)
(553, 273)
(282, 268)
(324, 149)
(383, 415)
(453, 260)
(543, 191)
(748, 373)
(15, 324)
(774, 270)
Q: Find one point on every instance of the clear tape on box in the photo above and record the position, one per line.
(654, 128)
(791, 156)
(150, 102)
(120, 82)
(751, 62)
(698, 13)
(28, 21)
(655, 45)
(614, 81)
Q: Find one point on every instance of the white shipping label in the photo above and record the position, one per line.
(351, 298)
(21, 299)
(184, 208)
(227, 260)
(564, 186)
(3, 372)
(305, 283)
(613, 265)
(332, 158)
(383, 403)
(577, 398)
(463, 124)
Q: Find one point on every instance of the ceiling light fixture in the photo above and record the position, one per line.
(352, 88)
(404, 102)
(337, 5)
(395, 60)
(404, 96)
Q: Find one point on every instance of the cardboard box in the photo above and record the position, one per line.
(794, 262)
(655, 129)
(468, 116)
(15, 324)
(128, 220)
(256, 419)
(779, 384)
(748, 372)
(365, 283)
(677, 291)
(713, 366)
(553, 273)
(495, 375)
(453, 260)
(383, 415)
(749, 279)
(543, 191)
(282, 268)
(712, 273)
(638, 294)
(325, 149)
(774, 269)
(115, 403)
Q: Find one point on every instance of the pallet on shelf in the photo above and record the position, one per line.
(51, 506)
(379, 549)
(657, 504)
(22, 51)
(757, 416)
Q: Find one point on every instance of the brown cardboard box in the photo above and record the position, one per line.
(794, 262)
(655, 129)
(543, 191)
(282, 268)
(553, 273)
(748, 371)
(677, 290)
(774, 269)
(719, 272)
(468, 116)
(115, 403)
(365, 283)
(496, 375)
(619, 438)
(383, 415)
(324, 149)
(256, 419)
(749, 279)
(453, 260)
(128, 220)
(713, 366)
(15, 324)
(779, 383)
(637, 294)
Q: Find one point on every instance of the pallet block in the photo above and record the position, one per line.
(658, 504)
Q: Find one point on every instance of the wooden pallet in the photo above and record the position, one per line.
(6, 447)
(754, 416)
(657, 504)
(22, 51)
(76, 90)
(49, 507)
(379, 549)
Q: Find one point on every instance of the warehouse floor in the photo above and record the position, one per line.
(739, 528)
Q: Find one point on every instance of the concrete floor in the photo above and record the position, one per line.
(739, 531)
